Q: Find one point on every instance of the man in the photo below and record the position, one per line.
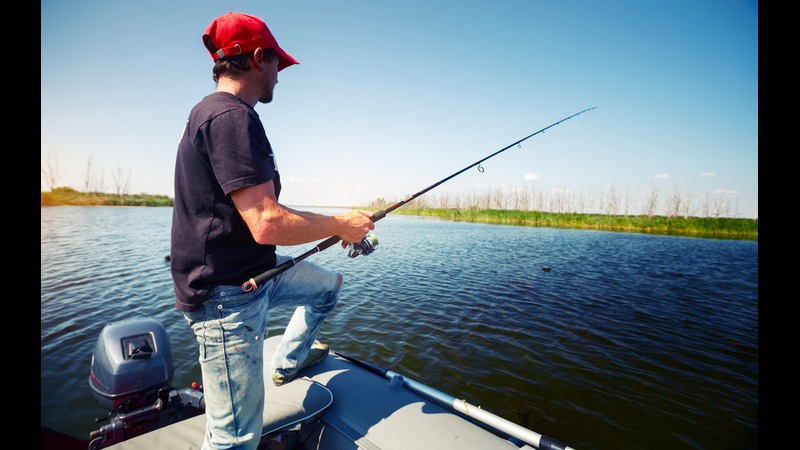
(226, 223)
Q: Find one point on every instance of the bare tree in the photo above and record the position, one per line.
(460, 201)
(469, 199)
(722, 206)
(559, 204)
(651, 203)
(541, 203)
(612, 203)
(577, 203)
(87, 176)
(628, 202)
(51, 172)
(530, 194)
(485, 200)
(519, 199)
(92, 181)
(498, 198)
(99, 184)
(673, 204)
(420, 202)
(719, 206)
(687, 202)
(442, 200)
(122, 181)
(582, 205)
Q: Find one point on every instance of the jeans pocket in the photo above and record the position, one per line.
(230, 317)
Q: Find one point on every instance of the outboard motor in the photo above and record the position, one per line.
(132, 361)
(131, 376)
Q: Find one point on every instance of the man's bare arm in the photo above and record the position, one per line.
(273, 223)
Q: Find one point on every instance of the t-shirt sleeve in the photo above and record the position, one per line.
(241, 157)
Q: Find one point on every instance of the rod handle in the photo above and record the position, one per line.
(379, 215)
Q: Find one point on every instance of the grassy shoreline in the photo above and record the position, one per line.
(703, 227)
(65, 196)
(719, 228)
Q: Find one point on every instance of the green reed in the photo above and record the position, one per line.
(733, 228)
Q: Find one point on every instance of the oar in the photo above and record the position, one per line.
(494, 421)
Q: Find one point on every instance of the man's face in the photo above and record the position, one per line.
(269, 80)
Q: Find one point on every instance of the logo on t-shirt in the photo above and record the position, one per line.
(274, 162)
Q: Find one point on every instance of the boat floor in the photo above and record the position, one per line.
(362, 411)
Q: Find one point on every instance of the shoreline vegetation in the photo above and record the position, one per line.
(702, 227)
(65, 196)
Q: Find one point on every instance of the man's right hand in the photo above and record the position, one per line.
(355, 225)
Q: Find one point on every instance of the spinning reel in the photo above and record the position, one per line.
(365, 247)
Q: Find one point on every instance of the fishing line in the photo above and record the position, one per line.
(367, 245)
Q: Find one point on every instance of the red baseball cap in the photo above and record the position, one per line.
(237, 33)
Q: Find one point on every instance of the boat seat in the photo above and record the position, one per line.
(293, 405)
(288, 410)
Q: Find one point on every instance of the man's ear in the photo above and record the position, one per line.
(258, 57)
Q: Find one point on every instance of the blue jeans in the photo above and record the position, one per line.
(230, 329)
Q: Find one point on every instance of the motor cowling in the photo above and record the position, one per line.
(131, 362)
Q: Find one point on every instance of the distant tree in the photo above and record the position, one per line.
(541, 202)
(519, 199)
(567, 201)
(578, 202)
(457, 201)
(612, 202)
(558, 204)
(93, 181)
(651, 203)
(672, 206)
(122, 181)
(498, 198)
(483, 200)
(688, 198)
(628, 208)
(420, 202)
(722, 206)
(442, 200)
(87, 176)
(50, 171)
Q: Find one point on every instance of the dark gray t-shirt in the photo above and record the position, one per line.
(223, 148)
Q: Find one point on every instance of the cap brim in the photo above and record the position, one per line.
(285, 59)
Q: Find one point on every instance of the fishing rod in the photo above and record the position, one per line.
(367, 245)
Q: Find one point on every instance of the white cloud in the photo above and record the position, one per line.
(531, 176)
(708, 174)
(661, 175)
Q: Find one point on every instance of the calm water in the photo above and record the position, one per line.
(630, 341)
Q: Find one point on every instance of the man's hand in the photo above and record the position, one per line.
(356, 224)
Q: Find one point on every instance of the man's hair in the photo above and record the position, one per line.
(238, 64)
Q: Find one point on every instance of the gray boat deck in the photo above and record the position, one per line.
(365, 411)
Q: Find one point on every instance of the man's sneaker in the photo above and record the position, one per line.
(317, 354)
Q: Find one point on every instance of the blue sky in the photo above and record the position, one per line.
(391, 97)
